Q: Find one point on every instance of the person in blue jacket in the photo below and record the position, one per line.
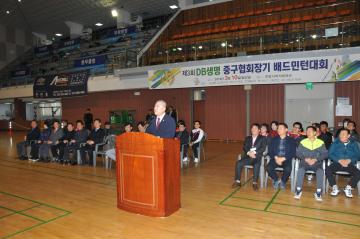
(344, 153)
(282, 150)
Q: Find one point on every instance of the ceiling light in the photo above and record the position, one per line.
(19, 0)
(99, 24)
(173, 6)
(114, 13)
(58, 34)
(7, 12)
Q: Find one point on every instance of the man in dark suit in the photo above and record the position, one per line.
(88, 119)
(32, 135)
(96, 136)
(80, 137)
(254, 147)
(282, 150)
(162, 125)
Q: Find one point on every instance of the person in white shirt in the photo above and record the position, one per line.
(196, 136)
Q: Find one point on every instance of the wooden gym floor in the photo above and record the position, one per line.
(39, 200)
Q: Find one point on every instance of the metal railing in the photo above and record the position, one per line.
(335, 35)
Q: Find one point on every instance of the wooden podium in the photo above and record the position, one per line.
(148, 174)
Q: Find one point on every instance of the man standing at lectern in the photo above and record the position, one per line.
(162, 125)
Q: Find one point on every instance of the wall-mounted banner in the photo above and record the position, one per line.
(90, 61)
(61, 85)
(279, 71)
(69, 44)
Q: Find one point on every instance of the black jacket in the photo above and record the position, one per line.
(97, 135)
(68, 135)
(183, 136)
(327, 138)
(88, 118)
(33, 134)
(259, 144)
(166, 127)
(355, 136)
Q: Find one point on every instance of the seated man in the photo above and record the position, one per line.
(254, 147)
(80, 137)
(65, 141)
(32, 136)
(183, 136)
(96, 136)
(344, 153)
(42, 147)
(311, 151)
(282, 150)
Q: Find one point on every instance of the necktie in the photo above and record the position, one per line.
(157, 123)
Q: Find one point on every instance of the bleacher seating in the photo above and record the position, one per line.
(120, 52)
(276, 24)
(239, 28)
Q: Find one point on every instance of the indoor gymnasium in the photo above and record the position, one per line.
(179, 119)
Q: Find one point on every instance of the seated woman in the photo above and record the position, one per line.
(196, 136)
(273, 131)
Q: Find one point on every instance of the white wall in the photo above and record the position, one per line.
(309, 106)
(109, 83)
